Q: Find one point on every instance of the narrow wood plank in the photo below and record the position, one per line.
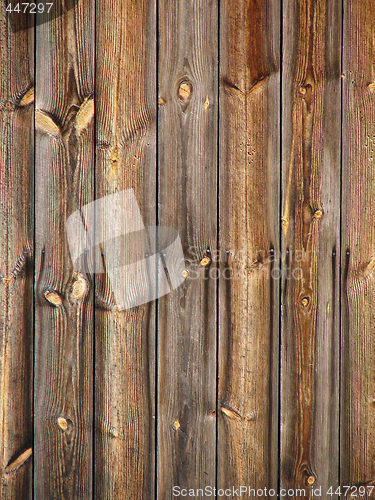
(16, 248)
(64, 297)
(188, 107)
(125, 338)
(311, 245)
(249, 243)
(358, 250)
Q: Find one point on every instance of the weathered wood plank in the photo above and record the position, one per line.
(249, 243)
(358, 245)
(125, 338)
(64, 297)
(188, 106)
(16, 247)
(311, 245)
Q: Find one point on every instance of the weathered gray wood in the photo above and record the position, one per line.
(358, 247)
(64, 297)
(188, 106)
(16, 248)
(311, 245)
(249, 243)
(126, 105)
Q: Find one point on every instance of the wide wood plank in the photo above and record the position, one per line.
(358, 249)
(64, 295)
(311, 245)
(188, 107)
(249, 243)
(126, 104)
(16, 249)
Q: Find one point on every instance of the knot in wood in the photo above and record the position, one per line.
(185, 90)
(205, 261)
(177, 425)
(305, 301)
(311, 480)
(28, 97)
(318, 214)
(53, 298)
(62, 423)
(79, 288)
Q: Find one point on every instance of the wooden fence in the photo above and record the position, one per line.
(249, 127)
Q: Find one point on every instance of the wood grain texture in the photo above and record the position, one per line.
(259, 369)
(358, 251)
(16, 252)
(188, 106)
(311, 244)
(64, 318)
(249, 242)
(126, 160)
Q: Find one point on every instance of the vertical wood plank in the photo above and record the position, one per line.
(249, 243)
(64, 297)
(126, 103)
(358, 250)
(16, 248)
(188, 106)
(311, 245)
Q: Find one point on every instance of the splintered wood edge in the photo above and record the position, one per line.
(18, 461)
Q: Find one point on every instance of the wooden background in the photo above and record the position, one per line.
(249, 126)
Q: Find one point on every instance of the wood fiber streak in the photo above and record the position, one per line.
(16, 254)
(249, 236)
(358, 335)
(311, 245)
(188, 106)
(64, 318)
(126, 103)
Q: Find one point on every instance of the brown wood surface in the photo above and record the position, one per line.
(64, 166)
(249, 243)
(311, 245)
(126, 110)
(188, 107)
(16, 248)
(358, 247)
(248, 127)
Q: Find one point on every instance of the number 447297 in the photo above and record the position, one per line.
(351, 491)
(31, 8)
